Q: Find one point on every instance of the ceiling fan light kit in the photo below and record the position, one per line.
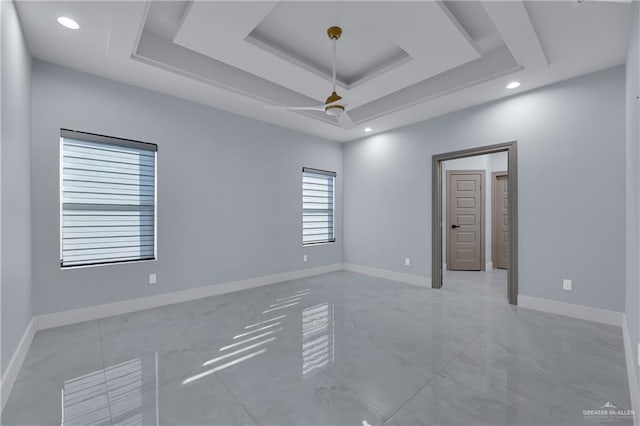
(334, 110)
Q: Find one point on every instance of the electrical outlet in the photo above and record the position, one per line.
(407, 261)
(567, 284)
(304, 258)
(153, 279)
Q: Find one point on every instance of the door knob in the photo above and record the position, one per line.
(455, 226)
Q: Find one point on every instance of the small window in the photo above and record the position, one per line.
(318, 201)
(108, 199)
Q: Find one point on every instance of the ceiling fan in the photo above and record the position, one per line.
(332, 106)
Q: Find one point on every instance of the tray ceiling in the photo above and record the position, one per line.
(398, 62)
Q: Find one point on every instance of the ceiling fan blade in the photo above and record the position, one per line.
(295, 108)
(345, 121)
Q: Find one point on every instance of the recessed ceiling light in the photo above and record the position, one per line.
(368, 129)
(67, 22)
(513, 85)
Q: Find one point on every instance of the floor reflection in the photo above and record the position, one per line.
(317, 337)
(256, 335)
(318, 344)
(125, 394)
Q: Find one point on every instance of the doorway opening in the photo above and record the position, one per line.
(475, 215)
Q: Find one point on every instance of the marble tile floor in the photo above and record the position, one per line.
(335, 349)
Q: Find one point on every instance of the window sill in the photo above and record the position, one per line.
(318, 244)
(94, 265)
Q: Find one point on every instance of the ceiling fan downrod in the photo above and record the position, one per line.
(334, 34)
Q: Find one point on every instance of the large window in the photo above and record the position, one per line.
(108, 199)
(318, 189)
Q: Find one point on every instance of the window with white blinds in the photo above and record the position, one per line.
(108, 200)
(318, 189)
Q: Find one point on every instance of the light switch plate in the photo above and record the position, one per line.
(407, 261)
(304, 258)
(153, 279)
(567, 285)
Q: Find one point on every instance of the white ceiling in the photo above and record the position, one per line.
(295, 30)
(398, 62)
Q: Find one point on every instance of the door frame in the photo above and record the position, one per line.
(483, 219)
(494, 217)
(512, 211)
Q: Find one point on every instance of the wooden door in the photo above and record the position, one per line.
(465, 210)
(500, 238)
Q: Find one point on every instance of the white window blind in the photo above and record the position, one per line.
(108, 199)
(318, 188)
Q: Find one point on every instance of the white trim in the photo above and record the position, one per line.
(58, 319)
(11, 373)
(571, 310)
(416, 280)
(634, 393)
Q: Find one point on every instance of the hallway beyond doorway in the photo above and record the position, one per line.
(491, 283)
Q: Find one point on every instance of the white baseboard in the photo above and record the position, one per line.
(634, 393)
(57, 319)
(598, 315)
(571, 310)
(389, 275)
(11, 373)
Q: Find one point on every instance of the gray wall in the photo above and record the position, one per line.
(229, 191)
(15, 177)
(632, 299)
(571, 162)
